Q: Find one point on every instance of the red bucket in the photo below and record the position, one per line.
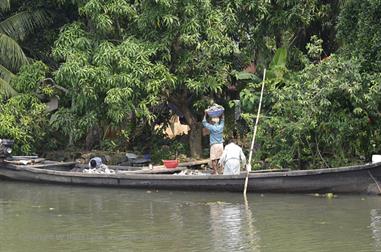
(171, 163)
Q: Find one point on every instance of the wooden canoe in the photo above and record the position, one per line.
(365, 179)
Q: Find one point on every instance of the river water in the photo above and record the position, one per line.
(36, 217)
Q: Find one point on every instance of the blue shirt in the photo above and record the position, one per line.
(215, 131)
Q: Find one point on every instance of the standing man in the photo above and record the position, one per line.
(216, 128)
(231, 158)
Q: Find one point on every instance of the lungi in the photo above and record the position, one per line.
(216, 151)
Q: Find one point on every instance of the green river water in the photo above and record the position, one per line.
(35, 217)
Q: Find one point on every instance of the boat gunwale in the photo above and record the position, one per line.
(38, 169)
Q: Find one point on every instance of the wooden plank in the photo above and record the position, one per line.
(155, 171)
(25, 161)
(270, 170)
(194, 163)
(116, 167)
(136, 168)
(51, 164)
(23, 157)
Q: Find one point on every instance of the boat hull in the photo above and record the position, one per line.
(355, 179)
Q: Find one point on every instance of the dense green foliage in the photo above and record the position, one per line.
(120, 64)
(326, 115)
(23, 117)
(131, 57)
(359, 30)
(17, 21)
(106, 82)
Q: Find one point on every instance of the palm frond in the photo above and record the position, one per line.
(24, 23)
(5, 74)
(5, 5)
(6, 90)
(11, 54)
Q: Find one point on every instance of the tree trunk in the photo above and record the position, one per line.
(195, 133)
(195, 139)
(93, 137)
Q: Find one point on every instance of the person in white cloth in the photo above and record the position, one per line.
(96, 165)
(232, 158)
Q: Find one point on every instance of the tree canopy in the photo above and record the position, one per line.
(124, 64)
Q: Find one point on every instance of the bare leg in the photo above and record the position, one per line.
(214, 166)
(220, 170)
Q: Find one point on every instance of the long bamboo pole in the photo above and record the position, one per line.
(248, 166)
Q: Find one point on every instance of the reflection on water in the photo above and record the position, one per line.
(232, 227)
(375, 224)
(37, 217)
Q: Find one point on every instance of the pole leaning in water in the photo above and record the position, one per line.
(248, 166)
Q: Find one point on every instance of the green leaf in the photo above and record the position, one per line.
(5, 74)
(6, 90)
(11, 54)
(245, 76)
(23, 23)
(5, 5)
(279, 59)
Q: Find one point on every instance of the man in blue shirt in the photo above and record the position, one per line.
(216, 128)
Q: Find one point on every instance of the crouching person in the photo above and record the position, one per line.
(96, 166)
(232, 158)
(95, 162)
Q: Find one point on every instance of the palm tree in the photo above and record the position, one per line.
(16, 25)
